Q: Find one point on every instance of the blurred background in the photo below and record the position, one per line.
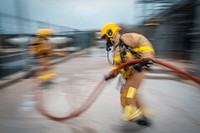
(172, 26)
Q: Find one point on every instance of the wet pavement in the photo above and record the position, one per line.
(174, 102)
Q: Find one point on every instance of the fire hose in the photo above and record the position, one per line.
(99, 88)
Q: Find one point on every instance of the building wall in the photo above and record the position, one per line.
(195, 52)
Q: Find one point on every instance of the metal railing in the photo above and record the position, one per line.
(13, 57)
(10, 24)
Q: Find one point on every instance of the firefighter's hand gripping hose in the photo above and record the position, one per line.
(99, 88)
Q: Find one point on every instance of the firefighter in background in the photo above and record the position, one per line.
(126, 47)
(41, 49)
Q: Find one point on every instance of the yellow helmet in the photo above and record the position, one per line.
(44, 32)
(109, 30)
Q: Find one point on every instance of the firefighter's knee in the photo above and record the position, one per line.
(131, 92)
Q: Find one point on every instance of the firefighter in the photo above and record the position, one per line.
(41, 48)
(126, 47)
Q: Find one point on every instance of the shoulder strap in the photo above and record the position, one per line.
(127, 48)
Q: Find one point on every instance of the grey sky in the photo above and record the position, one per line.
(79, 14)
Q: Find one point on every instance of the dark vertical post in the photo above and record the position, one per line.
(196, 42)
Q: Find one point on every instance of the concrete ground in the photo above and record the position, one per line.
(174, 102)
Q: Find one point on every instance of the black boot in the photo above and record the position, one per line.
(144, 121)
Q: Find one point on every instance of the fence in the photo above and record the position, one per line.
(14, 57)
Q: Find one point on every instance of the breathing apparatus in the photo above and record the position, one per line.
(108, 32)
(108, 48)
(108, 45)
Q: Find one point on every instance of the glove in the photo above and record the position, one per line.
(110, 75)
(148, 63)
(138, 66)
